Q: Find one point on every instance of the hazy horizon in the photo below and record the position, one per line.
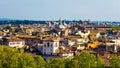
(102, 10)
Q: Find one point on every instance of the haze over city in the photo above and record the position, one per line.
(105, 10)
(59, 33)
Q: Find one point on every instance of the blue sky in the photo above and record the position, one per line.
(105, 10)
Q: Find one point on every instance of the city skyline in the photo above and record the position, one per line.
(101, 10)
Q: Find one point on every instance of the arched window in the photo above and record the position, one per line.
(48, 45)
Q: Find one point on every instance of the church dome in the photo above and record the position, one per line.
(59, 26)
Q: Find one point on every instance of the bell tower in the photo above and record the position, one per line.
(60, 22)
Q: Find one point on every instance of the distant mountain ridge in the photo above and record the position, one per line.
(16, 21)
(5, 19)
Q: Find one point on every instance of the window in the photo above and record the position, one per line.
(12, 43)
(48, 45)
(45, 45)
(44, 53)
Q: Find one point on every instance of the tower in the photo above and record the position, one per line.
(60, 22)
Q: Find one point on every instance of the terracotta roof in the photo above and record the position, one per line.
(14, 40)
(63, 51)
(26, 36)
(51, 39)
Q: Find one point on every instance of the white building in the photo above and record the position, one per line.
(50, 46)
(66, 54)
(15, 42)
(71, 42)
(114, 46)
(85, 35)
(117, 42)
(82, 41)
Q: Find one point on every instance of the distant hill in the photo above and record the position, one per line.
(107, 22)
(4, 19)
(17, 22)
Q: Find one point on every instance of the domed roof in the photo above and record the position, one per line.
(59, 26)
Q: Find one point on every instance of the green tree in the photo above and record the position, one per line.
(16, 58)
(70, 63)
(100, 62)
(86, 60)
(115, 61)
(40, 63)
(56, 63)
(26, 61)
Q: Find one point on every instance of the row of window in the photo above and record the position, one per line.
(45, 46)
(49, 46)
(15, 43)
